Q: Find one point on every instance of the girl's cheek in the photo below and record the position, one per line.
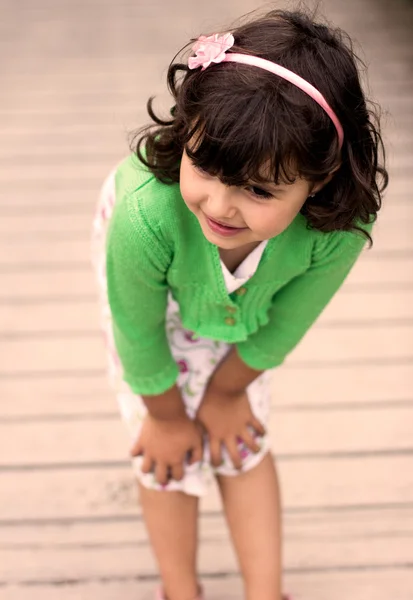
(266, 218)
(272, 221)
(187, 192)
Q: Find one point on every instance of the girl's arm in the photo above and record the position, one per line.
(232, 375)
(137, 262)
(168, 439)
(293, 311)
(136, 266)
(225, 411)
(300, 302)
(167, 406)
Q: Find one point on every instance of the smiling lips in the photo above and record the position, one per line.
(222, 229)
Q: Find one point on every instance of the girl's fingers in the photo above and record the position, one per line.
(176, 472)
(162, 473)
(147, 464)
(257, 426)
(249, 440)
(215, 451)
(136, 449)
(232, 447)
(195, 455)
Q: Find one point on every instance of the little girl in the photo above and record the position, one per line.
(218, 244)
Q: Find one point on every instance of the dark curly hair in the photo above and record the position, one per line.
(244, 117)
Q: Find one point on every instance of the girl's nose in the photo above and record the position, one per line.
(220, 203)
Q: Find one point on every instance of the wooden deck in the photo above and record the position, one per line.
(74, 78)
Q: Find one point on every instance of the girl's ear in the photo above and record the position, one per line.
(319, 186)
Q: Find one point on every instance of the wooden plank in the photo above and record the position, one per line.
(292, 433)
(386, 236)
(335, 345)
(294, 388)
(78, 227)
(64, 442)
(78, 282)
(50, 217)
(50, 318)
(37, 225)
(123, 99)
(57, 396)
(357, 586)
(48, 355)
(41, 173)
(80, 198)
(47, 252)
(71, 96)
(91, 151)
(323, 586)
(345, 523)
(96, 492)
(35, 285)
(75, 77)
(67, 129)
(130, 109)
(42, 284)
(111, 106)
(394, 216)
(352, 385)
(61, 121)
(53, 200)
(115, 138)
(374, 270)
(322, 347)
(345, 543)
(369, 306)
(129, 105)
(346, 309)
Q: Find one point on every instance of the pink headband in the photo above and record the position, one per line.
(212, 49)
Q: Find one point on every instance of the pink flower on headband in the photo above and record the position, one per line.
(210, 49)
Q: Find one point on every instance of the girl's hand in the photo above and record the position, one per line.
(228, 420)
(166, 445)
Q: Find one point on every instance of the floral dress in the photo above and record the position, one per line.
(196, 357)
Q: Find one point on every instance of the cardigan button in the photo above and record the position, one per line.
(230, 321)
(241, 291)
(231, 309)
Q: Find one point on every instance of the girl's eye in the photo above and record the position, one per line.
(258, 192)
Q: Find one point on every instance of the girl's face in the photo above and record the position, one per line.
(231, 217)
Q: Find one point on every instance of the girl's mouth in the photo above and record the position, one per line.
(224, 230)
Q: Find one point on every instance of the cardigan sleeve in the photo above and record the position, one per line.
(297, 305)
(137, 262)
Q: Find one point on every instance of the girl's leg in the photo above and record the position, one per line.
(252, 507)
(171, 520)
